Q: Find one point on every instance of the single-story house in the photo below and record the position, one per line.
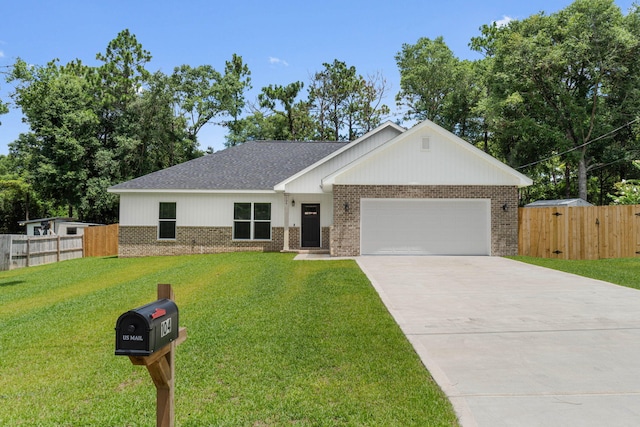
(56, 226)
(391, 191)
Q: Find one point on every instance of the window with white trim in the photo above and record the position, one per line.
(252, 221)
(167, 221)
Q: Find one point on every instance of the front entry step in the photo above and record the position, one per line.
(308, 251)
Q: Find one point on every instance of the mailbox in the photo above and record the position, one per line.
(146, 329)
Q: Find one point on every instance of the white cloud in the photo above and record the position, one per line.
(1, 54)
(278, 61)
(504, 21)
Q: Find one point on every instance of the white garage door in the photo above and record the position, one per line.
(425, 226)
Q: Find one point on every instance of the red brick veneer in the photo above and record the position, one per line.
(345, 232)
(137, 241)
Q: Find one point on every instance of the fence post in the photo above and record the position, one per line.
(10, 253)
(28, 250)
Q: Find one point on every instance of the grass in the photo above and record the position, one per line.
(272, 342)
(621, 271)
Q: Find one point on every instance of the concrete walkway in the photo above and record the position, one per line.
(517, 345)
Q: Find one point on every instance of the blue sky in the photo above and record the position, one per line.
(281, 41)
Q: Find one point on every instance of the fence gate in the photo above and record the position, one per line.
(101, 240)
(580, 232)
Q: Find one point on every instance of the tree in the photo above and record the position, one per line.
(552, 82)
(345, 104)
(254, 127)
(18, 199)
(60, 110)
(461, 110)
(123, 72)
(294, 116)
(329, 93)
(370, 110)
(435, 85)
(236, 80)
(197, 96)
(427, 77)
(4, 106)
(92, 127)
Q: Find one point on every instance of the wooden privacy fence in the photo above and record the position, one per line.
(101, 240)
(25, 251)
(581, 232)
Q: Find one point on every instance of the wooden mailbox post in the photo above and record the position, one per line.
(161, 367)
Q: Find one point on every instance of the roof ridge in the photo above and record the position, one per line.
(293, 141)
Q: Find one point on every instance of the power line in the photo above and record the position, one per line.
(581, 145)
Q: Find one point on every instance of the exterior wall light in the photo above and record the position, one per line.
(346, 207)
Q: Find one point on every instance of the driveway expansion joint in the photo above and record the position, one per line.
(524, 331)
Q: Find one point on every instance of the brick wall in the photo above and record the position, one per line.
(135, 241)
(345, 232)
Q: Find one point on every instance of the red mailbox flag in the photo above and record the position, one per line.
(158, 313)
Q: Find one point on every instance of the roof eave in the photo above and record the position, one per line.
(187, 191)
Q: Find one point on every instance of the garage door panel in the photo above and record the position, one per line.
(425, 226)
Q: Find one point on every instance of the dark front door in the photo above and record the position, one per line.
(310, 225)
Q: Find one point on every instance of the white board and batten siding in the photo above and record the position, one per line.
(308, 181)
(215, 209)
(426, 158)
(425, 227)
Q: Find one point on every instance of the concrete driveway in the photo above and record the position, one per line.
(517, 345)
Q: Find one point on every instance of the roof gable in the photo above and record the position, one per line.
(309, 179)
(250, 166)
(426, 154)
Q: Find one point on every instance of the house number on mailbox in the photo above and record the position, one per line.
(165, 327)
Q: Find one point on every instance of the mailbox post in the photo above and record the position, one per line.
(149, 336)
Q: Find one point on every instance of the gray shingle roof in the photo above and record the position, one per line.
(249, 166)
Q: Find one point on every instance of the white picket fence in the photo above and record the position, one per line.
(18, 251)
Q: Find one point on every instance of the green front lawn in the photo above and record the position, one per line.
(621, 271)
(272, 342)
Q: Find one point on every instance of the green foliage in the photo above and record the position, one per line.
(293, 122)
(345, 105)
(329, 93)
(555, 83)
(18, 200)
(236, 80)
(340, 104)
(627, 193)
(427, 78)
(437, 86)
(93, 127)
(196, 95)
(123, 72)
(270, 342)
(59, 107)
(4, 106)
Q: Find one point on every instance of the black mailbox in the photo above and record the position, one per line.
(146, 329)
